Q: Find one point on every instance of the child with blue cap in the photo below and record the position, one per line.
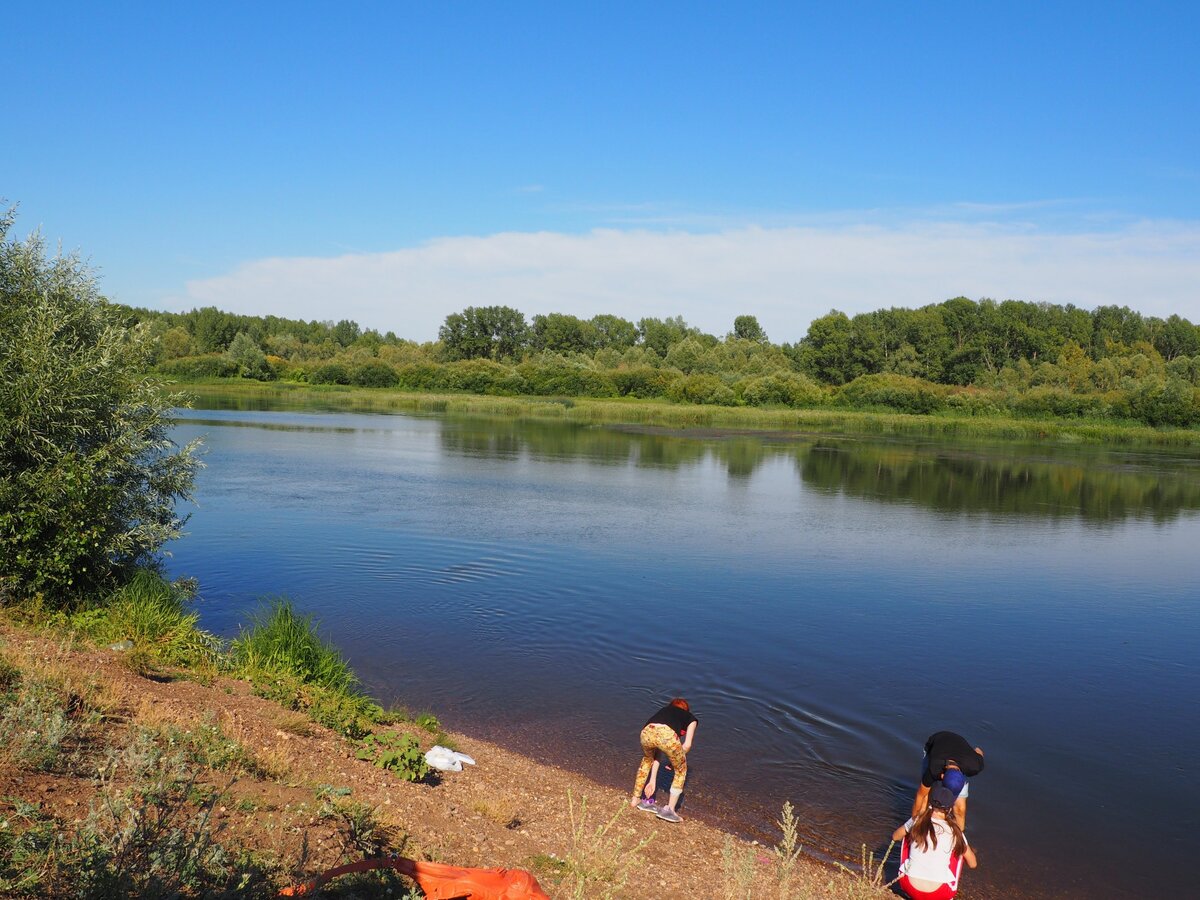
(949, 761)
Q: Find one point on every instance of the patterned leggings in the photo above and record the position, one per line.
(661, 737)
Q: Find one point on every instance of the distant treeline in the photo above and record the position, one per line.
(971, 357)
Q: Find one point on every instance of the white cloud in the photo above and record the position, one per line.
(784, 275)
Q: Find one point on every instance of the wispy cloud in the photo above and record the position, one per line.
(786, 275)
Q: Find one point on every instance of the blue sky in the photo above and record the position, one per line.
(396, 162)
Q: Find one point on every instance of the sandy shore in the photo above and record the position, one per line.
(508, 810)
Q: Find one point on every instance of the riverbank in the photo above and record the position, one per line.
(244, 394)
(285, 799)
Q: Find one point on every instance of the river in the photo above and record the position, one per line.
(824, 603)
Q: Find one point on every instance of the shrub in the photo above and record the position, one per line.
(975, 402)
(397, 753)
(476, 376)
(152, 839)
(374, 374)
(329, 373)
(249, 359)
(34, 724)
(1185, 368)
(780, 390)
(1053, 401)
(899, 392)
(423, 376)
(562, 379)
(10, 675)
(1170, 403)
(1118, 403)
(149, 840)
(352, 715)
(705, 389)
(211, 365)
(642, 381)
(602, 856)
(89, 476)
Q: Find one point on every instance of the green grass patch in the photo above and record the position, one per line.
(349, 714)
(154, 615)
(285, 642)
(287, 661)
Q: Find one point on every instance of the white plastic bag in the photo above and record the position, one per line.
(446, 760)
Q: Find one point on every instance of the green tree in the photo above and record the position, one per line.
(1114, 326)
(345, 332)
(174, 343)
(561, 333)
(89, 476)
(484, 332)
(748, 329)
(212, 329)
(659, 334)
(614, 332)
(1176, 337)
(827, 351)
(245, 353)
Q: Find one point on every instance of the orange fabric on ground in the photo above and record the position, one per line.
(440, 881)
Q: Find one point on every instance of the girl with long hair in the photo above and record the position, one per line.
(934, 849)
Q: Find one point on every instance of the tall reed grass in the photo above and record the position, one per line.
(664, 413)
(281, 640)
(154, 615)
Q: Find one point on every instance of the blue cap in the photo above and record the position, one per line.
(954, 780)
(941, 797)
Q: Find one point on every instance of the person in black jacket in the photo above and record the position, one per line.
(951, 760)
(671, 730)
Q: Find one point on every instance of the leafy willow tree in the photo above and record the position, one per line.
(213, 329)
(484, 332)
(245, 353)
(613, 332)
(346, 332)
(660, 334)
(561, 333)
(88, 473)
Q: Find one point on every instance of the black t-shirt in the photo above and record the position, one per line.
(944, 747)
(678, 719)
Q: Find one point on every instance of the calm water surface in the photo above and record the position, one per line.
(824, 603)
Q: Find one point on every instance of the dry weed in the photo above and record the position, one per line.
(738, 876)
(275, 763)
(155, 715)
(602, 857)
(502, 811)
(294, 723)
(869, 881)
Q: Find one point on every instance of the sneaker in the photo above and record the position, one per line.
(648, 805)
(667, 814)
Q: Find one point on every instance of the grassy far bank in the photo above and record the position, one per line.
(948, 425)
(169, 763)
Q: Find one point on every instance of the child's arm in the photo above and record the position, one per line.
(969, 858)
(652, 781)
(691, 735)
(900, 833)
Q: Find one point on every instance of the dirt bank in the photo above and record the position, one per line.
(506, 811)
